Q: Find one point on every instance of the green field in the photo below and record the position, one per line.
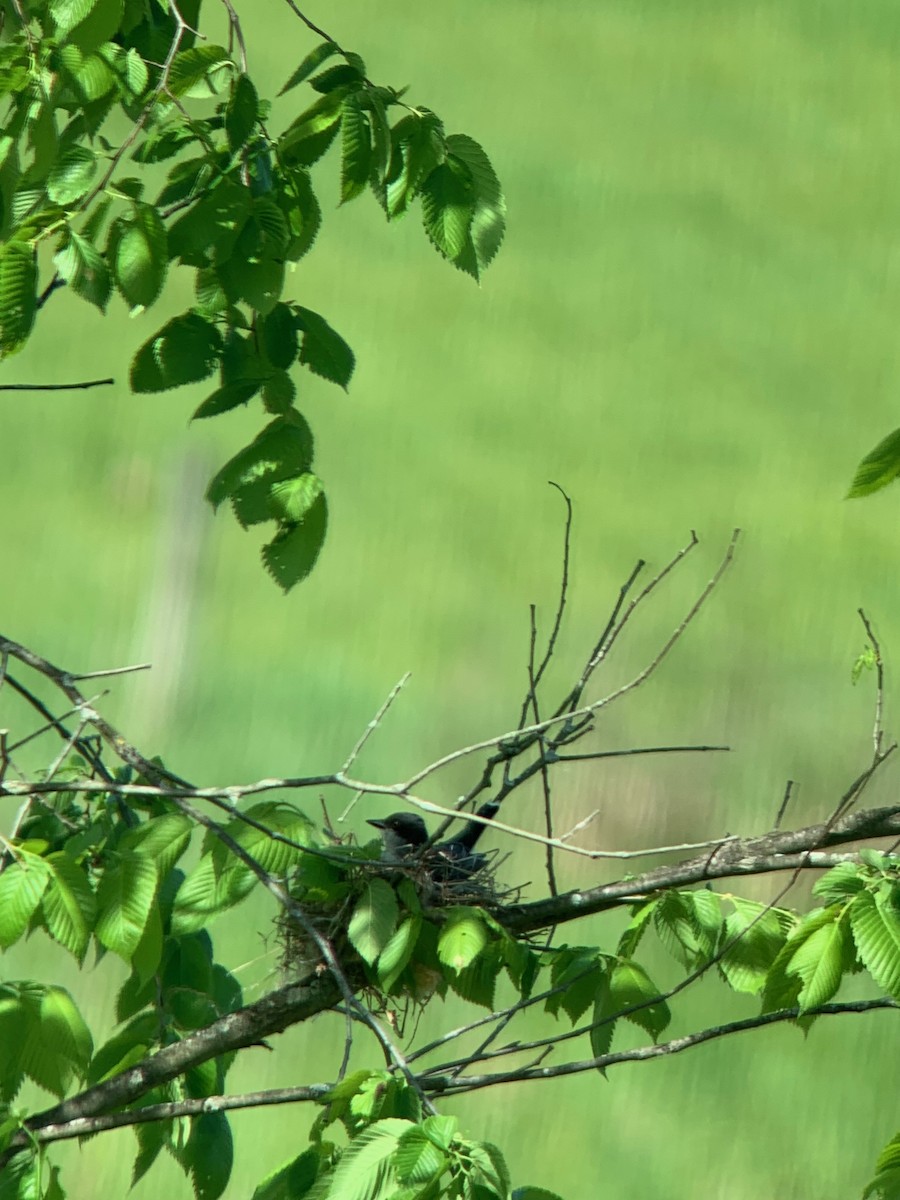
(694, 323)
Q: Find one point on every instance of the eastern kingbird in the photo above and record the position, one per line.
(405, 836)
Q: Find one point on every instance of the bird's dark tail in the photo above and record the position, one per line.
(473, 830)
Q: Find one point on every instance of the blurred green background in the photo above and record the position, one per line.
(693, 323)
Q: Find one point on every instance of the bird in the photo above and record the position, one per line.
(405, 835)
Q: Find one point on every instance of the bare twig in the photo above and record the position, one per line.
(55, 387)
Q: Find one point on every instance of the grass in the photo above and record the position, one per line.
(692, 324)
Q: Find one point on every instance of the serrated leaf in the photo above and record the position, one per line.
(308, 137)
(84, 269)
(448, 206)
(356, 148)
(69, 13)
(69, 904)
(241, 112)
(489, 217)
(284, 448)
(820, 962)
(194, 66)
(56, 1043)
(220, 879)
(880, 467)
(301, 209)
(312, 62)
(631, 987)
(22, 886)
(223, 399)
(396, 954)
(292, 553)
(291, 1181)
(417, 1160)
(462, 938)
(279, 334)
(209, 231)
(365, 1170)
(886, 1184)
(755, 935)
(374, 920)
(876, 930)
(840, 883)
(138, 248)
(185, 350)
(18, 281)
(293, 498)
(125, 897)
(324, 351)
(208, 1156)
(164, 839)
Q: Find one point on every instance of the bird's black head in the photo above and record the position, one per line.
(401, 832)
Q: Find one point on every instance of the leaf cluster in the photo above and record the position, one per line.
(236, 208)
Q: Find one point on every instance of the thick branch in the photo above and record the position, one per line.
(739, 856)
(248, 1026)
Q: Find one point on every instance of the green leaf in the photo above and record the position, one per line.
(69, 904)
(186, 349)
(534, 1193)
(71, 175)
(417, 1159)
(210, 229)
(255, 271)
(840, 883)
(365, 1170)
(356, 153)
(576, 974)
(886, 1184)
(293, 552)
(164, 839)
(636, 927)
(241, 112)
(374, 920)
(22, 885)
(194, 67)
(126, 1047)
(301, 209)
(220, 879)
(308, 137)
(100, 24)
(283, 449)
(631, 986)
(754, 934)
(880, 467)
(418, 147)
(875, 921)
(54, 1042)
(396, 954)
(279, 334)
(603, 1020)
(67, 14)
(292, 499)
(229, 396)
(292, 1181)
(334, 77)
(138, 250)
(84, 269)
(18, 281)
(448, 207)
(125, 897)
(462, 938)
(324, 351)
(209, 1155)
(312, 62)
(489, 217)
(820, 961)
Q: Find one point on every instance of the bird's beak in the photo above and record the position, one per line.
(379, 824)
